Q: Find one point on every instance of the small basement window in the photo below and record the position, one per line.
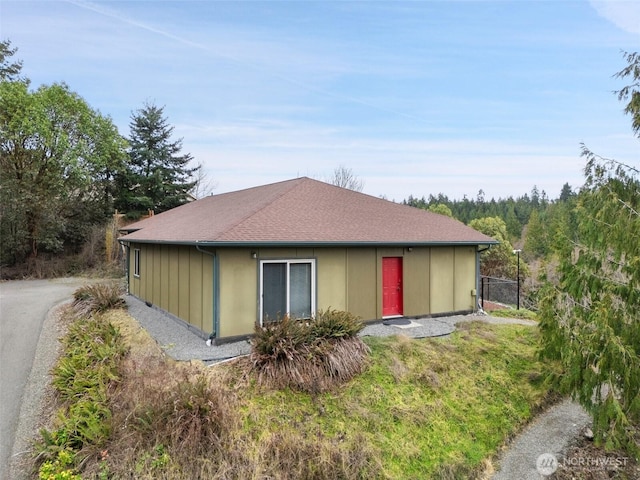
(136, 262)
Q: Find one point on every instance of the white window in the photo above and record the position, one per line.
(136, 262)
(287, 287)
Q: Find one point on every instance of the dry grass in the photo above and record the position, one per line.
(184, 420)
(406, 416)
(314, 368)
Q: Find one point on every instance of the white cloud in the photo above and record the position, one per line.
(624, 14)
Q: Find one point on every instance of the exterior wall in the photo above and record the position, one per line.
(417, 282)
(238, 292)
(180, 280)
(464, 287)
(176, 279)
(362, 282)
(453, 279)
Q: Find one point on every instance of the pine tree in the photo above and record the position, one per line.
(536, 242)
(590, 319)
(158, 177)
(9, 71)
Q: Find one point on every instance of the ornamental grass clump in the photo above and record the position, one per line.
(313, 355)
(97, 298)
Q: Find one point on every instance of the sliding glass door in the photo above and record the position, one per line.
(287, 288)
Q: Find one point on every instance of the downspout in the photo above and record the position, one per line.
(128, 250)
(215, 293)
(478, 286)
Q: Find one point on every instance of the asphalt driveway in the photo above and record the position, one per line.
(23, 307)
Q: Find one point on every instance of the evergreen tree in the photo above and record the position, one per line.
(158, 176)
(567, 193)
(513, 225)
(590, 319)
(537, 241)
(9, 71)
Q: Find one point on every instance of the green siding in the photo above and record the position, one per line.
(362, 282)
(416, 267)
(465, 281)
(176, 279)
(238, 292)
(442, 280)
(179, 279)
(331, 278)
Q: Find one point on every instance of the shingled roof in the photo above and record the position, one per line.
(300, 212)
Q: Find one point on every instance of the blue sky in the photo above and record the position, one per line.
(419, 97)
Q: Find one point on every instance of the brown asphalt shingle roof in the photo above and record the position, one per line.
(300, 211)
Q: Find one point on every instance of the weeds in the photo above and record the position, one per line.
(60, 468)
(522, 313)
(421, 409)
(93, 350)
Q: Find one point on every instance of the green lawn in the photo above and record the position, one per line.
(427, 408)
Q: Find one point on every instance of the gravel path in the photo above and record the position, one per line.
(178, 340)
(183, 343)
(534, 451)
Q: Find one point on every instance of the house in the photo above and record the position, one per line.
(227, 262)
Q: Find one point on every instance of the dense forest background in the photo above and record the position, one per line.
(65, 170)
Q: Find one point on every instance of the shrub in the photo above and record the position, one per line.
(59, 469)
(311, 356)
(335, 324)
(97, 298)
(170, 419)
(93, 350)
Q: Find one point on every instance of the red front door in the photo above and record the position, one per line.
(391, 286)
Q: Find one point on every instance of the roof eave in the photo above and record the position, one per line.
(313, 244)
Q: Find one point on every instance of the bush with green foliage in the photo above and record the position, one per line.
(589, 319)
(312, 356)
(93, 350)
(60, 468)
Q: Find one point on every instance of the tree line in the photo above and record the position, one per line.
(65, 168)
(589, 309)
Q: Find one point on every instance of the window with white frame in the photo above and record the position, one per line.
(136, 262)
(287, 287)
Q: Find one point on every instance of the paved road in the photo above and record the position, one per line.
(23, 307)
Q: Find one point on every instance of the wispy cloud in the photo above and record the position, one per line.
(624, 14)
(264, 69)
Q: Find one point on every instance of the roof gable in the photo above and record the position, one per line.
(301, 211)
